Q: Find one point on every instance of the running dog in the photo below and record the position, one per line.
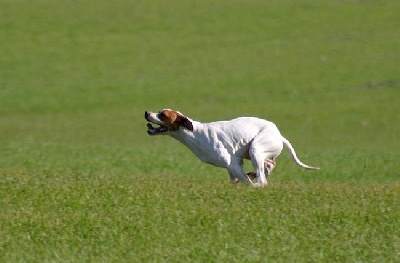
(227, 143)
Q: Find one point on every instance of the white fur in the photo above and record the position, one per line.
(226, 143)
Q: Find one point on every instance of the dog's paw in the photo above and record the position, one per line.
(259, 185)
(251, 175)
(235, 181)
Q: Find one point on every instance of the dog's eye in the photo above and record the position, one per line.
(161, 115)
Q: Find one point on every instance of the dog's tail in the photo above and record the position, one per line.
(291, 149)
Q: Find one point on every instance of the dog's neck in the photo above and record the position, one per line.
(185, 136)
(195, 140)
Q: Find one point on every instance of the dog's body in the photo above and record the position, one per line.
(226, 143)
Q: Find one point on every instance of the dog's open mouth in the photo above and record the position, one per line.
(156, 130)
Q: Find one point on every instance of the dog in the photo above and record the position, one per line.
(227, 143)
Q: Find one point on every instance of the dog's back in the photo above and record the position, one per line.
(242, 128)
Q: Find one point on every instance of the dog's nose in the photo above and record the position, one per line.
(146, 114)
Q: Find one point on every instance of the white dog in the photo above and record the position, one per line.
(226, 143)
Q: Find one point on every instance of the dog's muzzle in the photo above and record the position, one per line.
(154, 130)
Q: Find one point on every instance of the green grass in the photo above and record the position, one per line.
(80, 180)
(72, 217)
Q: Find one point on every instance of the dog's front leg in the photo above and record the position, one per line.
(237, 174)
(234, 180)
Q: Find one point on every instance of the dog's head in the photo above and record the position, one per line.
(168, 121)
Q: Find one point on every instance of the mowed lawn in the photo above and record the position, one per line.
(81, 181)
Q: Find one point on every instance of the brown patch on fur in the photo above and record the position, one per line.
(172, 120)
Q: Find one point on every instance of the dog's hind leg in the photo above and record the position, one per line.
(264, 148)
(269, 166)
(257, 159)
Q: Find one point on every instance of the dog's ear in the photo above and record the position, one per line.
(185, 122)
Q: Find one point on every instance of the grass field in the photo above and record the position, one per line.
(81, 181)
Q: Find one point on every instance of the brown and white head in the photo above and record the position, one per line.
(168, 121)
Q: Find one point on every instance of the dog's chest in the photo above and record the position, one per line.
(214, 153)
